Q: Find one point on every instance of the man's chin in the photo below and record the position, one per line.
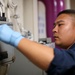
(58, 44)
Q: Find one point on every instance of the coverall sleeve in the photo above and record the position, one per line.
(63, 63)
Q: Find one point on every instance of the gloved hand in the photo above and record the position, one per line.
(9, 36)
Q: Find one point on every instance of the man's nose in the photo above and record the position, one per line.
(55, 29)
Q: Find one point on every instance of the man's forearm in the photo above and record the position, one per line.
(39, 54)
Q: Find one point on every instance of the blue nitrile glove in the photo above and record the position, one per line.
(9, 36)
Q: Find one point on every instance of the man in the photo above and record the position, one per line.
(53, 61)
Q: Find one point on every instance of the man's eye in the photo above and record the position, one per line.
(60, 24)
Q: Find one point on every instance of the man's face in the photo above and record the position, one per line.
(64, 31)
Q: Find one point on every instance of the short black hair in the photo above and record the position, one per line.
(67, 11)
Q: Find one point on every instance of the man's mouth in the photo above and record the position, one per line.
(56, 37)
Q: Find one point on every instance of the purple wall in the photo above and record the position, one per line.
(53, 7)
